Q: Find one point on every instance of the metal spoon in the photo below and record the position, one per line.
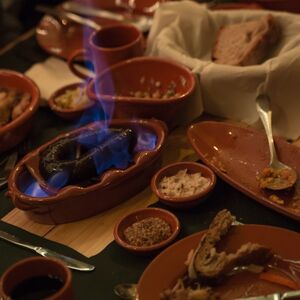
(285, 175)
(126, 291)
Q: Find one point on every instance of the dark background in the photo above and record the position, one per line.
(18, 16)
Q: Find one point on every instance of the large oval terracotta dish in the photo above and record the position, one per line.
(73, 201)
(167, 267)
(238, 155)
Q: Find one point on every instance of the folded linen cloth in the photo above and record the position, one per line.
(50, 75)
(185, 32)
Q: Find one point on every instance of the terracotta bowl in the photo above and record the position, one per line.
(68, 113)
(76, 201)
(118, 89)
(183, 202)
(35, 267)
(15, 131)
(139, 215)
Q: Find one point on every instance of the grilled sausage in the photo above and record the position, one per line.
(77, 158)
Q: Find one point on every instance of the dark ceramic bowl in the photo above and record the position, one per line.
(121, 89)
(183, 202)
(37, 266)
(15, 131)
(75, 201)
(139, 215)
(68, 113)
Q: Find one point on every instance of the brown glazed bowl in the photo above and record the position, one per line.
(74, 202)
(183, 202)
(68, 113)
(139, 215)
(15, 131)
(35, 267)
(119, 89)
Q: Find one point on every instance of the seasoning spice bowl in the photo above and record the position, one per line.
(191, 186)
(70, 101)
(164, 228)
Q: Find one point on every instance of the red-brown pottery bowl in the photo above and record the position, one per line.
(183, 202)
(68, 113)
(134, 89)
(77, 201)
(15, 131)
(142, 214)
(36, 269)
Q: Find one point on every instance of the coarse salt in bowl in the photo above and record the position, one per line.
(183, 184)
(146, 231)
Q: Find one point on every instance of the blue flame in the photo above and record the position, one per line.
(93, 114)
(58, 180)
(35, 190)
(146, 141)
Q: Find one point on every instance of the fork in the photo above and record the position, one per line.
(289, 267)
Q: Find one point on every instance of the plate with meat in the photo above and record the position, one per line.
(205, 264)
(238, 155)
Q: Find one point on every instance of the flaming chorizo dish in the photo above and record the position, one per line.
(87, 170)
(207, 267)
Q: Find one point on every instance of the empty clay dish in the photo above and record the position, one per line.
(30, 192)
(140, 215)
(181, 200)
(13, 132)
(72, 92)
(144, 87)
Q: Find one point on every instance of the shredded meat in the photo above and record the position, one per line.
(208, 263)
(180, 292)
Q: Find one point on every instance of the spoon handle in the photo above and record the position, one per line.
(265, 114)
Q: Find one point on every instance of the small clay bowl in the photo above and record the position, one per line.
(139, 215)
(135, 88)
(15, 131)
(183, 202)
(36, 267)
(68, 113)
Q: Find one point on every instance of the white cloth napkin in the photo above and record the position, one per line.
(185, 32)
(50, 75)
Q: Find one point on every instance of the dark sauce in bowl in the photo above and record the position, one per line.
(36, 288)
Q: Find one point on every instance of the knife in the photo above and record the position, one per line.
(287, 295)
(70, 262)
(71, 16)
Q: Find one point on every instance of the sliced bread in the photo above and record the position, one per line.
(247, 43)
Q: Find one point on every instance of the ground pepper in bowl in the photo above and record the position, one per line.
(147, 232)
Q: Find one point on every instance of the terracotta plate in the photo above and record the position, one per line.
(61, 39)
(238, 154)
(167, 267)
